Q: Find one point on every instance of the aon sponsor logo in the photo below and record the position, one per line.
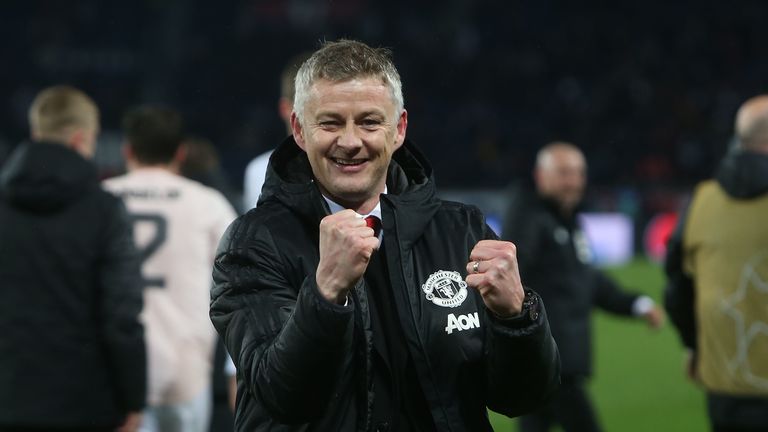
(462, 322)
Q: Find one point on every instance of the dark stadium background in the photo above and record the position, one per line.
(648, 90)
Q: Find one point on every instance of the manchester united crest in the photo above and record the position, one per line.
(445, 288)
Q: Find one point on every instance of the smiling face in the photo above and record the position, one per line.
(350, 130)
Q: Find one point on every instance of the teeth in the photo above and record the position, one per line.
(348, 161)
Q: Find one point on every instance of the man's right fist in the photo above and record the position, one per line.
(346, 246)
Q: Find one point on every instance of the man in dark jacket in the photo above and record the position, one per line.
(72, 347)
(351, 298)
(554, 259)
(717, 268)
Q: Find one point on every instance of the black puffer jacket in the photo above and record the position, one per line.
(554, 260)
(71, 345)
(304, 363)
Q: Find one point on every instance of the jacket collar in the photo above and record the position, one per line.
(410, 196)
(551, 205)
(45, 176)
(335, 208)
(744, 174)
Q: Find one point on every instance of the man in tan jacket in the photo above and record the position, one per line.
(717, 266)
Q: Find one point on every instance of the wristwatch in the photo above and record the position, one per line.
(529, 310)
(531, 305)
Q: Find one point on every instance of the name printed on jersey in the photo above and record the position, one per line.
(170, 194)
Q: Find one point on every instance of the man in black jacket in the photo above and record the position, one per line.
(351, 298)
(72, 347)
(554, 259)
(717, 268)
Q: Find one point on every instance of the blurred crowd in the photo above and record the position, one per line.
(648, 90)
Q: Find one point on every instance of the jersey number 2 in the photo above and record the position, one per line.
(160, 233)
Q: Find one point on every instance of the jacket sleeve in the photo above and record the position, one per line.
(287, 342)
(121, 303)
(679, 292)
(523, 363)
(609, 296)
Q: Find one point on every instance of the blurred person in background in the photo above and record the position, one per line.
(352, 298)
(72, 354)
(717, 272)
(555, 259)
(201, 164)
(177, 225)
(256, 171)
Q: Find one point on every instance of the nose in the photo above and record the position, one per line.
(574, 178)
(349, 140)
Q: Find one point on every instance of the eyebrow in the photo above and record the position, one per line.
(330, 114)
(364, 114)
(377, 113)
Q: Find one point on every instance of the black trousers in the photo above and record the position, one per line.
(222, 418)
(729, 413)
(570, 408)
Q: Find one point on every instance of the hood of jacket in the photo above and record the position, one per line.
(744, 174)
(410, 187)
(44, 177)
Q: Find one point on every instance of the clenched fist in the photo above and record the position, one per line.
(493, 271)
(346, 246)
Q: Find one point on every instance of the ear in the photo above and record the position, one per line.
(298, 131)
(76, 140)
(181, 154)
(538, 178)
(127, 152)
(83, 141)
(402, 126)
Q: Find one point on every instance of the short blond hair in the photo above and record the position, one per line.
(344, 60)
(57, 109)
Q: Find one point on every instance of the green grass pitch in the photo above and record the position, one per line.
(638, 383)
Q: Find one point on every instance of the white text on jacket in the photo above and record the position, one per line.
(462, 322)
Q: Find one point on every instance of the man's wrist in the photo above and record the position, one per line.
(339, 298)
(330, 292)
(642, 305)
(528, 311)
